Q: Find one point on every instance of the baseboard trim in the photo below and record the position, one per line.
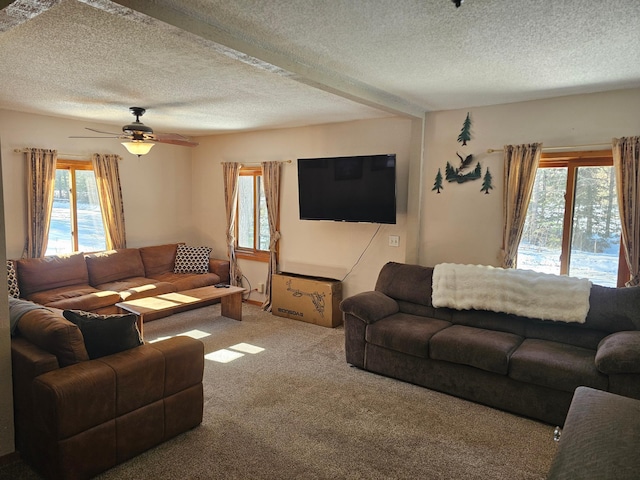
(254, 302)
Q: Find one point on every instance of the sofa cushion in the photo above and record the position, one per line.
(47, 273)
(619, 353)
(138, 287)
(187, 281)
(12, 280)
(571, 334)
(192, 259)
(556, 365)
(405, 333)
(158, 259)
(406, 282)
(79, 297)
(105, 334)
(484, 349)
(614, 309)
(502, 322)
(51, 332)
(114, 265)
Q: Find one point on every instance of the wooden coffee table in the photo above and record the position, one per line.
(151, 308)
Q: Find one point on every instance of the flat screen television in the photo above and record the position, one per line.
(348, 189)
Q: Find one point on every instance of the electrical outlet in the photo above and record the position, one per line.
(260, 287)
(394, 241)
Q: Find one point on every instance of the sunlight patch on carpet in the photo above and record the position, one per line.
(196, 334)
(223, 356)
(191, 333)
(237, 351)
(247, 348)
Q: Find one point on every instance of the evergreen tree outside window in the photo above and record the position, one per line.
(252, 220)
(573, 224)
(76, 220)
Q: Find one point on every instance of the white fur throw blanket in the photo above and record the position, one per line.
(520, 292)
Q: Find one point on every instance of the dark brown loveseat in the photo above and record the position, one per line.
(522, 365)
(76, 417)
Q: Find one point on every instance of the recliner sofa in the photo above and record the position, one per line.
(522, 365)
(76, 417)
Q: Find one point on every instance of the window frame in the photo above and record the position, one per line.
(243, 252)
(72, 166)
(572, 161)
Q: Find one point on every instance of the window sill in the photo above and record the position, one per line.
(255, 255)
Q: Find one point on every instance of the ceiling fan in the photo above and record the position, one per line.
(139, 138)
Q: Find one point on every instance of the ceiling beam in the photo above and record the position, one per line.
(260, 56)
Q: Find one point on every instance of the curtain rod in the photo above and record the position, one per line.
(493, 150)
(60, 154)
(260, 163)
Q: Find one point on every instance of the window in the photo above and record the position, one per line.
(573, 224)
(76, 220)
(252, 221)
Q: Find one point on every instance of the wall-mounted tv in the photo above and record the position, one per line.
(348, 189)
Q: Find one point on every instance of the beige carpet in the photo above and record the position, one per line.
(286, 405)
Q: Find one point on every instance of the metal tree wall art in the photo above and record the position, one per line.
(486, 182)
(437, 185)
(465, 133)
(463, 172)
(459, 174)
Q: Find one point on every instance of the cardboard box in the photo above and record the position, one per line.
(309, 299)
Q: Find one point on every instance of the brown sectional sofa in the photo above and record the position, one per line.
(96, 282)
(76, 417)
(523, 365)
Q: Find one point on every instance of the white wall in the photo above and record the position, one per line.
(463, 225)
(156, 188)
(328, 249)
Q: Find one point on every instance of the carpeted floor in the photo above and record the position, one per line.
(286, 405)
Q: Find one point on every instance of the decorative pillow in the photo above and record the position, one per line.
(105, 334)
(12, 279)
(192, 259)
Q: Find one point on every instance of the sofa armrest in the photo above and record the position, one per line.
(369, 306)
(619, 353)
(29, 360)
(220, 268)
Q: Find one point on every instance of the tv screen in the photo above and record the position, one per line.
(348, 189)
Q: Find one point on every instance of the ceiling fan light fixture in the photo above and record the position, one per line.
(138, 147)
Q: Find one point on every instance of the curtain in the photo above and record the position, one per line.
(271, 179)
(41, 176)
(626, 162)
(520, 166)
(105, 168)
(231, 173)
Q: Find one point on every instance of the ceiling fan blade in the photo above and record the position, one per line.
(100, 131)
(119, 136)
(174, 139)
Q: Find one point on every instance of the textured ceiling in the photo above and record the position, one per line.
(212, 66)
